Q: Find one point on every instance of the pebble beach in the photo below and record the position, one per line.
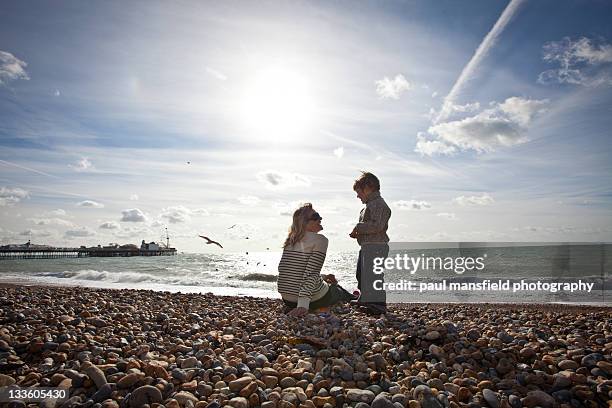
(139, 348)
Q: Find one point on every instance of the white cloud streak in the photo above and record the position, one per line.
(7, 163)
(481, 52)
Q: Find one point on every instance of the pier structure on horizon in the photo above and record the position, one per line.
(32, 251)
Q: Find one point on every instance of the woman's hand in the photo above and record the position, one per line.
(298, 311)
(353, 233)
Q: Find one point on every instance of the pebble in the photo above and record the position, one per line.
(538, 399)
(96, 375)
(6, 380)
(491, 398)
(239, 383)
(114, 348)
(146, 394)
(129, 380)
(381, 401)
(568, 365)
(189, 362)
(358, 395)
(432, 335)
(184, 397)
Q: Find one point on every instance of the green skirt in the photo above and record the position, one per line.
(335, 294)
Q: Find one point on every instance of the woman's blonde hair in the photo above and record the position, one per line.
(298, 227)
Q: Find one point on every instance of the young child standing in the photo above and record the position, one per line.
(371, 235)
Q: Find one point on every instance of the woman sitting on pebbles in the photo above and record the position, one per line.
(299, 271)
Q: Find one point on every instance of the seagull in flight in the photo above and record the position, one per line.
(210, 241)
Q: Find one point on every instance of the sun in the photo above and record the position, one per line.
(276, 103)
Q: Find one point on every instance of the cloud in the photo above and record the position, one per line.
(79, 233)
(200, 211)
(392, 88)
(448, 216)
(411, 205)
(90, 204)
(339, 152)
(133, 215)
(286, 208)
(580, 62)
(34, 233)
(484, 199)
(134, 197)
(11, 68)
(502, 125)
(132, 232)
(57, 212)
(276, 180)
(179, 214)
(454, 109)
(249, 200)
(51, 221)
(216, 74)
(109, 225)
(11, 196)
(479, 55)
(432, 147)
(82, 165)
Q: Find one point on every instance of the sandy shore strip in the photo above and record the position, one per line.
(138, 348)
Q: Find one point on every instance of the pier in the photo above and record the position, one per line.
(54, 253)
(31, 251)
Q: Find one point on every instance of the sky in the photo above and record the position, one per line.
(484, 120)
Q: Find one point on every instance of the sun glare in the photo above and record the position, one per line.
(277, 103)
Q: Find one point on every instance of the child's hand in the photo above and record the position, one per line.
(330, 278)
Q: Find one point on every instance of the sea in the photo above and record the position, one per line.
(255, 274)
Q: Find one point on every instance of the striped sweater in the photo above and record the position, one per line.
(299, 270)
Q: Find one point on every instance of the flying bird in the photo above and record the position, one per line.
(210, 241)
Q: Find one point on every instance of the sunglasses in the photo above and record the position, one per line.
(315, 217)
